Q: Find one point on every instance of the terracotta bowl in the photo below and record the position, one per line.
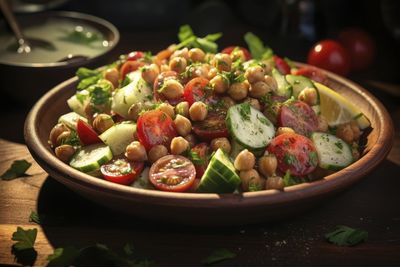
(208, 209)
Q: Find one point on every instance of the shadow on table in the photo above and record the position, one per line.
(74, 220)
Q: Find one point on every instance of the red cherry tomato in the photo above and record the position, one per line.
(295, 153)
(299, 116)
(330, 55)
(196, 90)
(312, 73)
(172, 173)
(134, 55)
(121, 171)
(201, 151)
(212, 127)
(86, 133)
(281, 65)
(130, 66)
(159, 82)
(155, 127)
(360, 47)
(228, 50)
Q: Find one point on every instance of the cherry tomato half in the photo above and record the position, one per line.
(330, 55)
(360, 47)
(172, 173)
(212, 127)
(228, 50)
(201, 151)
(299, 116)
(196, 90)
(295, 153)
(312, 73)
(130, 66)
(155, 127)
(281, 65)
(121, 171)
(86, 133)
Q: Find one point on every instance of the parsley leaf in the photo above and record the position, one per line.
(289, 179)
(87, 77)
(188, 39)
(34, 217)
(346, 236)
(218, 255)
(256, 47)
(25, 238)
(17, 169)
(245, 111)
(195, 157)
(72, 139)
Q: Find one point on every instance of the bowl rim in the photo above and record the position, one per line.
(329, 184)
(70, 15)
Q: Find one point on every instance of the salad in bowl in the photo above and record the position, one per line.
(193, 119)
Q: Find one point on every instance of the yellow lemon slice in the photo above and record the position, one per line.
(338, 110)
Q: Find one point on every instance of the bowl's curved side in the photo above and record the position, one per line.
(199, 208)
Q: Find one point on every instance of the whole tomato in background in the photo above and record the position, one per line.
(330, 55)
(360, 47)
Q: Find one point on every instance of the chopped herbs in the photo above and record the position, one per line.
(254, 186)
(263, 120)
(87, 77)
(16, 170)
(257, 48)
(290, 159)
(346, 236)
(195, 158)
(339, 145)
(313, 158)
(125, 81)
(34, 217)
(290, 180)
(25, 238)
(218, 255)
(100, 96)
(245, 111)
(72, 139)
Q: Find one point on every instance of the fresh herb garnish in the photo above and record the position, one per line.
(125, 81)
(100, 96)
(339, 145)
(188, 39)
(87, 77)
(254, 186)
(195, 157)
(263, 120)
(72, 139)
(25, 238)
(257, 48)
(218, 255)
(313, 158)
(289, 179)
(346, 236)
(16, 170)
(34, 217)
(290, 159)
(245, 111)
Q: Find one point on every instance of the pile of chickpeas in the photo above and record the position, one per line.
(258, 82)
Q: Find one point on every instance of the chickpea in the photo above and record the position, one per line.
(164, 68)
(345, 133)
(222, 62)
(244, 161)
(322, 124)
(55, 132)
(135, 151)
(356, 130)
(237, 54)
(182, 125)
(271, 82)
(267, 165)
(191, 139)
(267, 67)
(112, 75)
(157, 152)
(64, 152)
(274, 182)
(102, 122)
(184, 52)
(179, 145)
(238, 91)
(254, 74)
(259, 89)
(228, 102)
(251, 180)
(196, 54)
(282, 130)
(220, 84)
(253, 102)
(172, 89)
(198, 111)
(182, 109)
(168, 109)
(63, 136)
(150, 73)
(178, 64)
(209, 57)
(222, 143)
(200, 71)
(134, 111)
(309, 96)
(212, 73)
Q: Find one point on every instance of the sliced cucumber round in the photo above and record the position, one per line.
(119, 136)
(284, 88)
(333, 152)
(90, 158)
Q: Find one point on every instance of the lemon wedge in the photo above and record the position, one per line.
(337, 109)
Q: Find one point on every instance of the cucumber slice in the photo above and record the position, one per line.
(71, 119)
(284, 88)
(77, 105)
(90, 158)
(220, 175)
(136, 91)
(249, 127)
(333, 152)
(119, 136)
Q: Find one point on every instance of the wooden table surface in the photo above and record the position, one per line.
(372, 205)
